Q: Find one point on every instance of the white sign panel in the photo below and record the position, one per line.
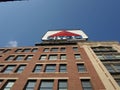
(65, 35)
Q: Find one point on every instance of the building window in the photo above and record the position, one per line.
(100, 57)
(54, 49)
(103, 49)
(46, 50)
(63, 68)
(86, 84)
(29, 57)
(4, 50)
(63, 57)
(77, 56)
(1, 81)
(43, 57)
(20, 57)
(34, 49)
(7, 50)
(1, 50)
(50, 68)
(81, 68)
(26, 50)
(18, 50)
(75, 49)
(117, 56)
(62, 49)
(46, 85)
(20, 68)
(9, 85)
(9, 69)
(108, 56)
(1, 66)
(117, 67)
(10, 58)
(62, 85)
(109, 68)
(38, 68)
(113, 67)
(118, 81)
(53, 57)
(30, 85)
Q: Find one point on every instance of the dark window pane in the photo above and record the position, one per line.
(18, 50)
(77, 56)
(62, 85)
(38, 68)
(86, 84)
(50, 68)
(34, 49)
(46, 85)
(9, 69)
(63, 68)
(20, 57)
(43, 57)
(27, 50)
(75, 49)
(46, 50)
(29, 57)
(52, 57)
(30, 85)
(109, 68)
(63, 56)
(54, 49)
(63, 49)
(21, 68)
(10, 58)
(9, 85)
(118, 81)
(81, 68)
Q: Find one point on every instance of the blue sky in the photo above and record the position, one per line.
(23, 23)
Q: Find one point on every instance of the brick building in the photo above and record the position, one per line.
(63, 61)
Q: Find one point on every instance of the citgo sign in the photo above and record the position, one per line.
(65, 35)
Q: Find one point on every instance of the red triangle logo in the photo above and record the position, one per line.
(64, 33)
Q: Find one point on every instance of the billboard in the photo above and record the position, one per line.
(65, 35)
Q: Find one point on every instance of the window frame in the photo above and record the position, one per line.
(31, 86)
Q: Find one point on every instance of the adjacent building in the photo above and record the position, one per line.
(64, 60)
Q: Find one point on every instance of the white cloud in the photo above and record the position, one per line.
(12, 44)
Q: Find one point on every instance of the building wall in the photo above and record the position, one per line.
(107, 79)
(98, 75)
